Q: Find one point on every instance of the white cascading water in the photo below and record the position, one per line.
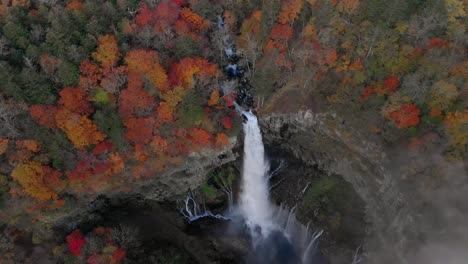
(254, 201)
(264, 219)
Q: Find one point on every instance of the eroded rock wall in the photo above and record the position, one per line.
(326, 141)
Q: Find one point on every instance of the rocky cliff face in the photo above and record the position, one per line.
(326, 141)
(189, 176)
(170, 185)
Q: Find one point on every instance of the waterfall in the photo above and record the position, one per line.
(278, 237)
(254, 201)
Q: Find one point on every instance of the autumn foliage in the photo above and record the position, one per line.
(108, 52)
(80, 129)
(199, 136)
(290, 10)
(38, 181)
(406, 116)
(75, 100)
(140, 130)
(75, 5)
(193, 19)
(3, 145)
(44, 115)
(134, 101)
(391, 84)
(76, 241)
(222, 139)
(90, 75)
(183, 72)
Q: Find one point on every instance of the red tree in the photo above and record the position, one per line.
(406, 116)
(281, 32)
(145, 16)
(134, 99)
(75, 242)
(76, 100)
(103, 147)
(90, 75)
(199, 136)
(44, 115)
(391, 84)
(227, 122)
(139, 130)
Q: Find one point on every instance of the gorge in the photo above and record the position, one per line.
(233, 132)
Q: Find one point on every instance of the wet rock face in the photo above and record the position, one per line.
(326, 202)
(325, 141)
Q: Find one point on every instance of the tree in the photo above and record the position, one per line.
(81, 131)
(82, 171)
(199, 136)
(37, 180)
(183, 72)
(158, 77)
(290, 11)
(391, 84)
(117, 256)
(174, 96)
(49, 64)
(76, 100)
(3, 145)
(214, 98)
(141, 61)
(348, 7)
(443, 94)
(159, 145)
(406, 116)
(8, 112)
(139, 130)
(368, 91)
(166, 13)
(107, 52)
(165, 113)
(90, 75)
(455, 128)
(193, 19)
(222, 139)
(145, 15)
(75, 5)
(76, 241)
(282, 32)
(103, 147)
(29, 144)
(134, 101)
(226, 122)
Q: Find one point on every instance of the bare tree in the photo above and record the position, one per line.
(145, 36)
(4, 46)
(252, 52)
(126, 236)
(421, 26)
(7, 119)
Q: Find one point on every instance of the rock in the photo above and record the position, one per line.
(325, 141)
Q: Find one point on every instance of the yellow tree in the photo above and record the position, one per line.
(457, 130)
(348, 6)
(442, 95)
(107, 52)
(38, 181)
